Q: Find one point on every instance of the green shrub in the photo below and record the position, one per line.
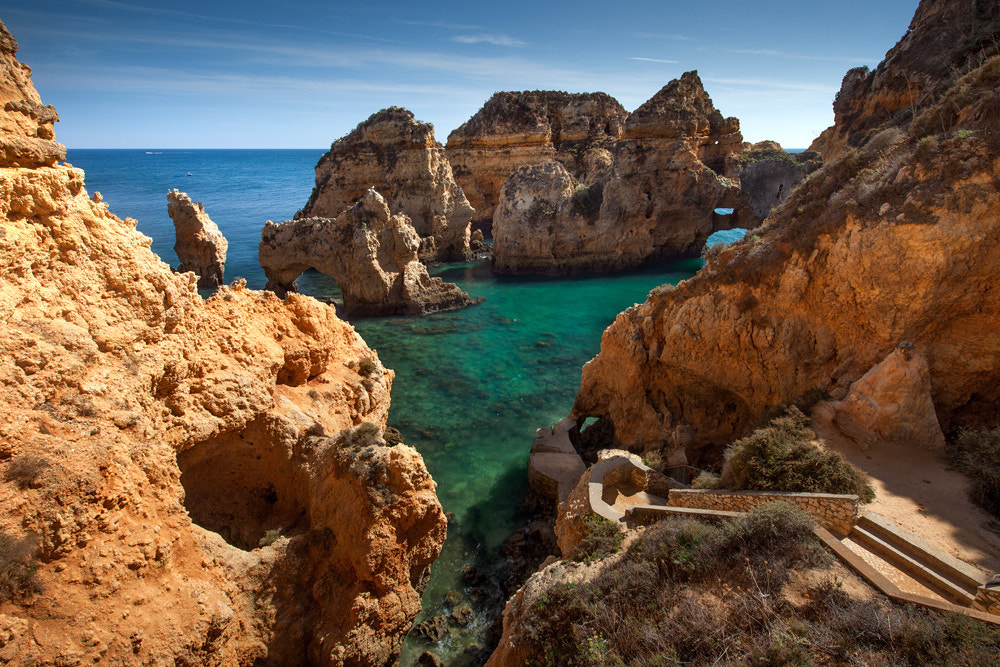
(707, 481)
(270, 537)
(366, 367)
(362, 435)
(587, 200)
(602, 537)
(18, 568)
(782, 457)
(977, 454)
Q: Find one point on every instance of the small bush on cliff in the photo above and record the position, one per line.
(366, 367)
(602, 537)
(17, 568)
(25, 470)
(587, 200)
(783, 457)
(977, 454)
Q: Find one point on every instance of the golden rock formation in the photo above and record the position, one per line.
(398, 156)
(371, 254)
(896, 240)
(200, 246)
(519, 129)
(196, 476)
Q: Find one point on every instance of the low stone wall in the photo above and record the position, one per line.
(988, 600)
(833, 511)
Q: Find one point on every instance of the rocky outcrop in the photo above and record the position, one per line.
(204, 482)
(398, 156)
(897, 240)
(672, 170)
(27, 138)
(518, 129)
(371, 254)
(200, 246)
(944, 37)
(768, 174)
(890, 405)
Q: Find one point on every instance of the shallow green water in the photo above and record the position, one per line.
(473, 385)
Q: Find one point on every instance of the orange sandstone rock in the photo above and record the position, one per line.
(520, 129)
(193, 472)
(200, 246)
(398, 156)
(371, 254)
(894, 241)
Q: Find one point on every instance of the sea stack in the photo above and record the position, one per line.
(673, 171)
(200, 246)
(398, 156)
(517, 129)
(185, 481)
(369, 252)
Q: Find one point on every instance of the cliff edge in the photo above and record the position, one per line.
(188, 481)
(894, 240)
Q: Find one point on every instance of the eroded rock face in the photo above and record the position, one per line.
(674, 167)
(133, 406)
(896, 241)
(27, 138)
(398, 156)
(371, 254)
(944, 38)
(200, 246)
(890, 404)
(768, 174)
(518, 129)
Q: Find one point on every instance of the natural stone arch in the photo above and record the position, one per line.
(371, 254)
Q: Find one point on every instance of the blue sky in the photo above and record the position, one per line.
(297, 74)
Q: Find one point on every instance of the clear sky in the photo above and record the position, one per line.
(299, 74)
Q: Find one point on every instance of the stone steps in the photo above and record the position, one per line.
(925, 567)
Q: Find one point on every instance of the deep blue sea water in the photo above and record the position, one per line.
(471, 385)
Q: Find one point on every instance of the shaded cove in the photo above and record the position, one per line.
(471, 385)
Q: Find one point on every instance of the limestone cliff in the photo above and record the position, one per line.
(674, 167)
(398, 156)
(944, 38)
(27, 138)
(518, 129)
(371, 254)
(197, 477)
(200, 246)
(896, 240)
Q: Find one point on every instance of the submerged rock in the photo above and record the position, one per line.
(371, 254)
(398, 156)
(200, 246)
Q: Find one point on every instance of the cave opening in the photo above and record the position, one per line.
(244, 488)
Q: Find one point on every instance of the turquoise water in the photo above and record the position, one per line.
(471, 385)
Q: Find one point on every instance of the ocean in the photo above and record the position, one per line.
(471, 387)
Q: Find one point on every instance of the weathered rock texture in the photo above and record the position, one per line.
(944, 37)
(518, 129)
(27, 138)
(200, 246)
(398, 156)
(674, 167)
(890, 404)
(371, 254)
(134, 409)
(768, 174)
(897, 240)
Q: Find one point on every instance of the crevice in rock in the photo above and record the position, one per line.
(244, 488)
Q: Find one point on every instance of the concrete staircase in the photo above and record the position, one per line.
(920, 562)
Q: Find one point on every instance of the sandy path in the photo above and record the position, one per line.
(920, 494)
